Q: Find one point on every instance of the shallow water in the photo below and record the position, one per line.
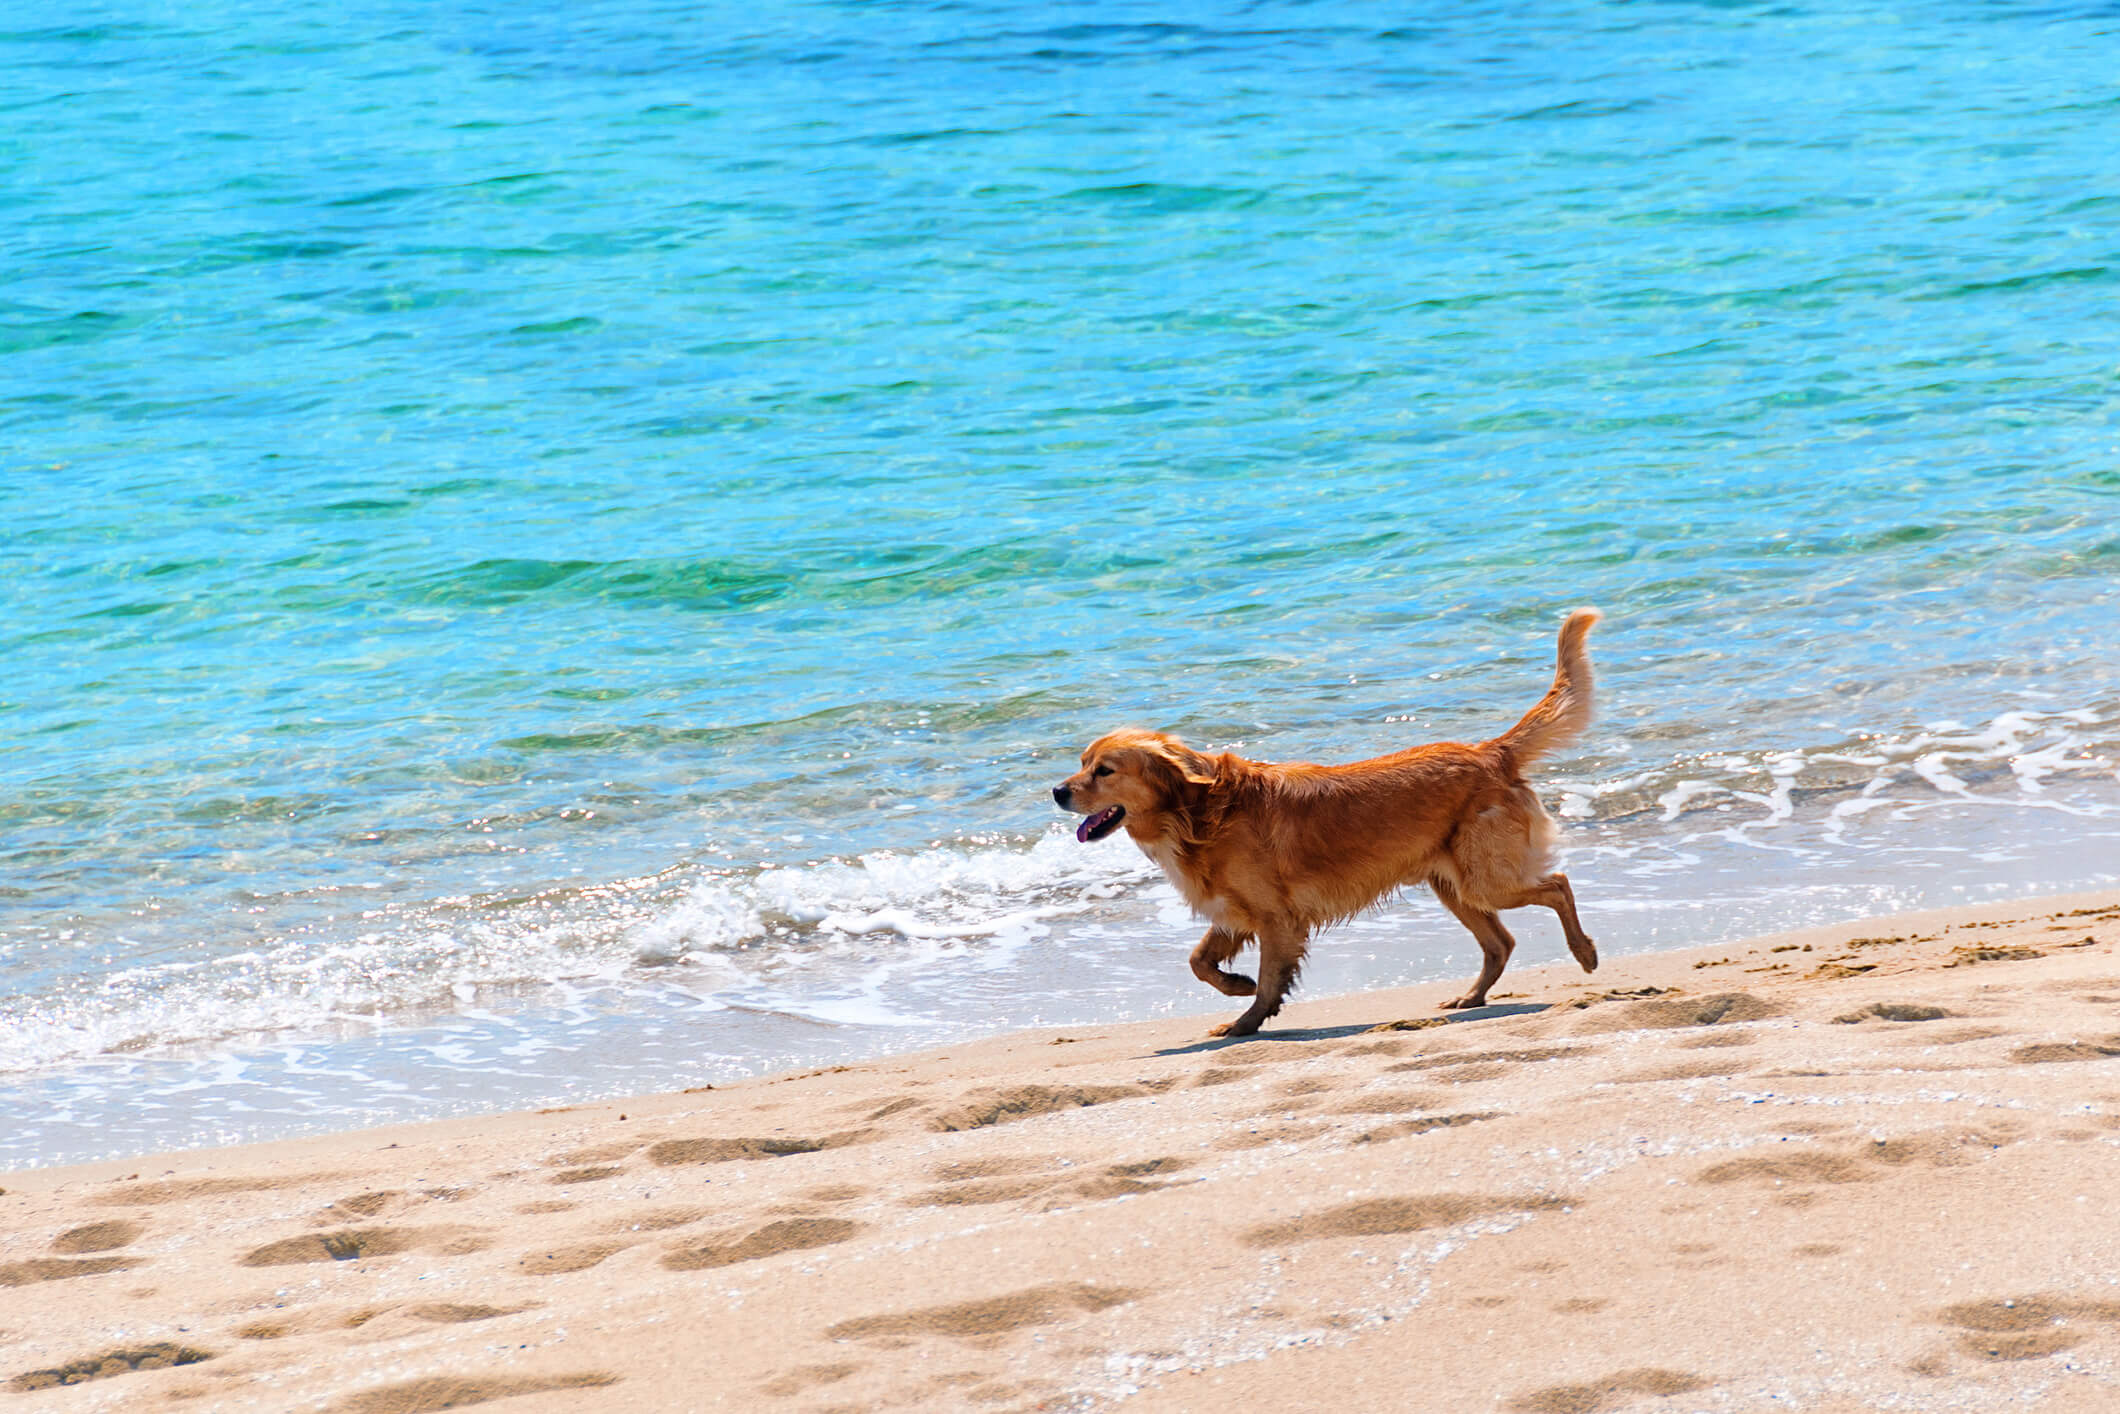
(559, 554)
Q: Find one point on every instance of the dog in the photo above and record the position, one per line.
(1271, 852)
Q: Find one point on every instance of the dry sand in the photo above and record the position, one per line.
(1867, 1167)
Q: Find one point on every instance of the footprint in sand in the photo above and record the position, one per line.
(1606, 1392)
(1391, 1102)
(179, 1190)
(1715, 1040)
(456, 1313)
(1955, 1036)
(2089, 989)
(1384, 1217)
(561, 1260)
(997, 1181)
(1384, 1133)
(327, 1319)
(672, 1152)
(356, 1244)
(265, 1330)
(74, 1243)
(2047, 1053)
(1860, 1163)
(36, 1269)
(368, 1205)
(596, 1174)
(966, 1170)
(452, 1392)
(1719, 1009)
(1416, 1023)
(1259, 1137)
(1894, 1011)
(122, 1361)
(1968, 957)
(98, 1237)
(1628, 994)
(974, 1192)
(983, 1108)
(788, 1235)
(658, 1219)
(362, 1207)
(2025, 1327)
(990, 1319)
(1127, 1180)
(1142, 1168)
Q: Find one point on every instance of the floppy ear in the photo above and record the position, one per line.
(1183, 765)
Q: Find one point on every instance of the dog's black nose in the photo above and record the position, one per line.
(1060, 796)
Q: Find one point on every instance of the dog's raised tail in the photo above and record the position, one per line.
(1560, 716)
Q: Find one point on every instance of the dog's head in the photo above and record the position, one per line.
(1131, 775)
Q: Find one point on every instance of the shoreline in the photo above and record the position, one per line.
(1838, 1149)
(900, 952)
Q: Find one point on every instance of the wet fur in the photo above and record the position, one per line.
(1269, 853)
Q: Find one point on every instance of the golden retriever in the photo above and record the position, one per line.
(1269, 852)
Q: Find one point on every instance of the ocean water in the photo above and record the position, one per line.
(556, 551)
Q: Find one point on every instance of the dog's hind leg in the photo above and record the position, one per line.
(1218, 947)
(1554, 893)
(1280, 962)
(1494, 940)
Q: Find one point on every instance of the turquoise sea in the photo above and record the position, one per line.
(557, 550)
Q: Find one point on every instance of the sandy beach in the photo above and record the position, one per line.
(1863, 1167)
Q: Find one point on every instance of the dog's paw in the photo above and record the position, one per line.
(1236, 984)
(1233, 1029)
(1462, 1003)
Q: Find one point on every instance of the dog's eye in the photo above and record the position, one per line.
(1102, 771)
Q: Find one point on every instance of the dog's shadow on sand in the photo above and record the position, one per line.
(1341, 1033)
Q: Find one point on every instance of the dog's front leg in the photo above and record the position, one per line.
(1281, 949)
(1218, 947)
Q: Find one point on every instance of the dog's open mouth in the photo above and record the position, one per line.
(1097, 826)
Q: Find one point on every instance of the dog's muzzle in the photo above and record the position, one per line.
(1099, 823)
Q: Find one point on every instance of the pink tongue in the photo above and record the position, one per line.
(1089, 823)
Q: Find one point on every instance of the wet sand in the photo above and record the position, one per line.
(1863, 1167)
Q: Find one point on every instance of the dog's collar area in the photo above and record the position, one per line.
(1097, 826)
